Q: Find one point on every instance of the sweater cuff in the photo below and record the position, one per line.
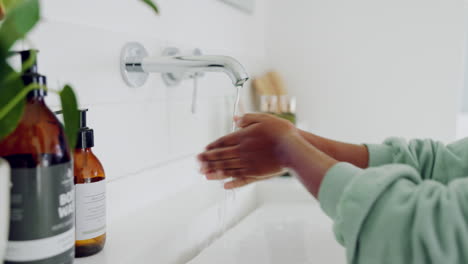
(379, 154)
(334, 184)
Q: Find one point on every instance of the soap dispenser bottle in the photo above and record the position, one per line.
(41, 199)
(90, 194)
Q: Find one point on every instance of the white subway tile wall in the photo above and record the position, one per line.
(147, 137)
(137, 128)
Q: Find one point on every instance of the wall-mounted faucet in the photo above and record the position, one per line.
(135, 64)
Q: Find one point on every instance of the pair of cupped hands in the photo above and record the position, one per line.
(262, 146)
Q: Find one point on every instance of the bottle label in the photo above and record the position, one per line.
(90, 210)
(42, 215)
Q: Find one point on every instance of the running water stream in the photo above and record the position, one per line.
(229, 195)
(236, 107)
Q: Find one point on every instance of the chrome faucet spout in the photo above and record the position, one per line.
(193, 64)
(176, 68)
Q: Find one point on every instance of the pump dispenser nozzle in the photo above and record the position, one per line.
(30, 74)
(85, 134)
(25, 56)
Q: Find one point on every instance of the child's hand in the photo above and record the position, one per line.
(251, 153)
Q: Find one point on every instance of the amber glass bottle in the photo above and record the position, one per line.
(42, 215)
(90, 195)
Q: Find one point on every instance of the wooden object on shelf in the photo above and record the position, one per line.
(277, 83)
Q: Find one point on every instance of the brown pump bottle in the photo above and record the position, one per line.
(42, 215)
(90, 194)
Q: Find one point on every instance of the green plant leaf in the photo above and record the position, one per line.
(8, 4)
(152, 5)
(71, 115)
(2, 10)
(17, 98)
(9, 123)
(10, 109)
(18, 22)
(21, 16)
(12, 95)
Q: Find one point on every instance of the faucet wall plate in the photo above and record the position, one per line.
(135, 64)
(133, 51)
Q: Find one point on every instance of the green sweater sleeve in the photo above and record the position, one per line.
(389, 214)
(408, 207)
(432, 159)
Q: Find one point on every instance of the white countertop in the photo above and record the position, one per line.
(170, 231)
(277, 233)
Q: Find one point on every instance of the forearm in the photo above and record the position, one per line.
(357, 155)
(309, 163)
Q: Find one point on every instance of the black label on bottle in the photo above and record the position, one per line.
(42, 216)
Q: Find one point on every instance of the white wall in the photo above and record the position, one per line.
(147, 137)
(364, 70)
(462, 120)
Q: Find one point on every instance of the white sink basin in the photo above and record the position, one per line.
(274, 221)
(290, 231)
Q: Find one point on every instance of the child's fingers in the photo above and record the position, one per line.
(225, 164)
(237, 173)
(220, 154)
(217, 175)
(204, 169)
(226, 141)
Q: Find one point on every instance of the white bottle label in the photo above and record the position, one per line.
(90, 204)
